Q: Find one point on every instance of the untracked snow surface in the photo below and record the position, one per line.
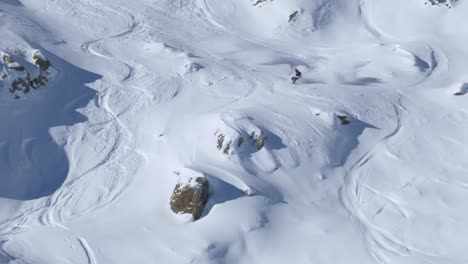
(363, 160)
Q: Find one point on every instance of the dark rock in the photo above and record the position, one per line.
(20, 79)
(259, 2)
(258, 139)
(43, 63)
(343, 119)
(292, 17)
(241, 142)
(440, 2)
(7, 59)
(436, 2)
(190, 197)
(16, 67)
(193, 67)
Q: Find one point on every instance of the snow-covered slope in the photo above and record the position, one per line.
(141, 93)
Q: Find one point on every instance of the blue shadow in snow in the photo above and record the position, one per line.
(348, 140)
(32, 164)
(421, 64)
(11, 2)
(464, 88)
(220, 192)
(364, 81)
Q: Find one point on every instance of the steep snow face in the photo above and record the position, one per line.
(34, 164)
(361, 161)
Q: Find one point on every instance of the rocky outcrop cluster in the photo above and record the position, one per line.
(439, 2)
(190, 195)
(21, 75)
(228, 145)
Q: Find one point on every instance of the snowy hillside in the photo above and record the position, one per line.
(169, 131)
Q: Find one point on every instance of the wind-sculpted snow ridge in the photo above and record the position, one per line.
(149, 109)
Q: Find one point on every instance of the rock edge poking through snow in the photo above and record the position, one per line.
(190, 195)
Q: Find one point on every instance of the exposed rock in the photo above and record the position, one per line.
(7, 59)
(256, 141)
(190, 195)
(436, 2)
(193, 67)
(293, 16)
(21, 79)
(227, 148)
(343, 119)
(16, 67)
(440, 2)
(240, 141)
(259, 2)
(43, 63)
(220, 141)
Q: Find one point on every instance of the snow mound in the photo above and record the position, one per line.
(273, 18)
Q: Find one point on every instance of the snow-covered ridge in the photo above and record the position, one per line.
(165, 109)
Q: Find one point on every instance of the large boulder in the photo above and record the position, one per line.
(190, 195)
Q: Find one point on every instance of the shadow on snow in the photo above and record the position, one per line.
(33, 164)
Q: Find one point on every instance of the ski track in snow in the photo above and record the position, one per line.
(56, 204)
(377, 239)
(381, 241)
(381, 244)
(59, 202)
(350, 195)
(87, 249)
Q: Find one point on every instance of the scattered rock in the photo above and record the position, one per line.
(227, 148)
(43, 63)
(15, 66)
(293, 16)
(190, 195)
(255, 139)
(439, 2)
(220, 141)
(343, 119)
(7, 59)
(240, 141)
(258, 139)
(193, 67)
(259, 2)
(20, 79)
